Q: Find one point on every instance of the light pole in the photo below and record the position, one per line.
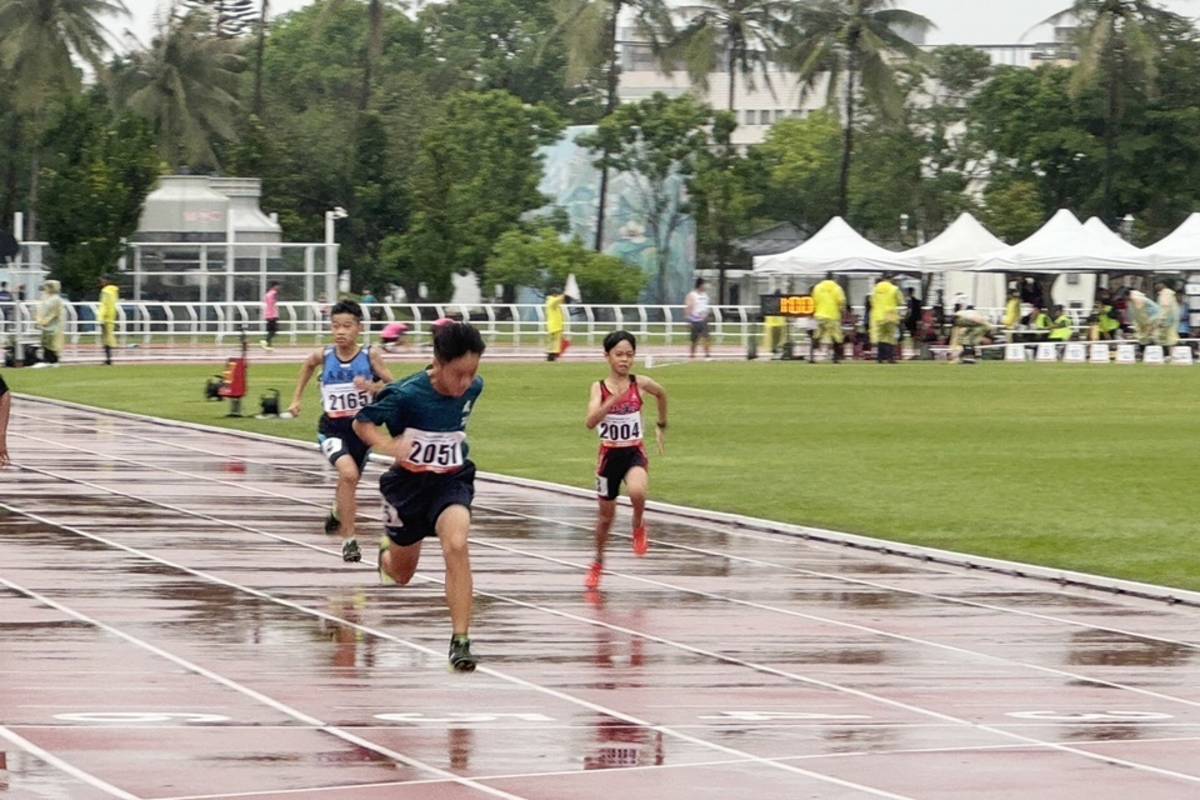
(904, 230)
(1127, 227)
(331, 251)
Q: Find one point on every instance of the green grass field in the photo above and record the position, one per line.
(1085, 468)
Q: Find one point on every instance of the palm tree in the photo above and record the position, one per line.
(40, 43)
(589, 28)
(1118, 40)
(854, 40)
(186, 85)
(743, 33)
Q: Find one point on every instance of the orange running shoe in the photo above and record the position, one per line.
(593, 577)
(566, 345)
(640, 544)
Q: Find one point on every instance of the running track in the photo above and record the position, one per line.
(173, 624)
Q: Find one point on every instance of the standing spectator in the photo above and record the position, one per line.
(912, 319)
(696, 310)
(51, 318)
(867, 325)
(1012, 310)
(1169, 319)
(886, 301)
(109, 296)
(5, 405)
(6, 299)
(271, 314)
(369, 300)
(556, 345)
(829, 303)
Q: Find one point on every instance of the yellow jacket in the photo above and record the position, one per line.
(1012, 312)
(108, 303)
(554, 313)
(829, 300)
(885, 302)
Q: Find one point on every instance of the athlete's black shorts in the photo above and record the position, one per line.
(615, 463)
(337, 439)
(699, 329)
(413, 501)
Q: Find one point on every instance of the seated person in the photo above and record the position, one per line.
(1061, 328)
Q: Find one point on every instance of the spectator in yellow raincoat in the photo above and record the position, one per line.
(109, 295)
(829, 303)
(886, 302)
(555, 323)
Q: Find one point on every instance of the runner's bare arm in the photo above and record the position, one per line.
(655, 389)
(378, 440)
(307, 369)
(381, 369)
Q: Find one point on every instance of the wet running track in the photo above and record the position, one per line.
(173, 624)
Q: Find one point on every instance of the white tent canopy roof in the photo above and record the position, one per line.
(956, 248)
(835, 248)
(1179, 250)
(1065, 245)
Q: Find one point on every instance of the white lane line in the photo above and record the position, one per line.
(861, 694)
(255, 695)
(577, 566)
(610, 712)
(969, 749)
(63, 766)
(717, 553)
(712, 654)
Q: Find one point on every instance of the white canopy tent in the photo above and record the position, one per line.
(1179, 251)
(956, 248)
(835, 248)
(1064, 245)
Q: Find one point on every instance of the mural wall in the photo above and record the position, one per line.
(573, 184)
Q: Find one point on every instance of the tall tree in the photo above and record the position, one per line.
(100, 168)
(740, 36)
(657, 142)
(1119, 42)
(506, 44)
(186, 84)
(723, 197)
(589, 28)
(372, 49)
(476, 176)
(40, 42)
(855, 45)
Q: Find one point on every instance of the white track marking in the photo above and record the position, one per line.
(257, 696)
(861, 694)
(983, 748)
(691, 548)
(578, 566)
(45, 755)
(610, 712)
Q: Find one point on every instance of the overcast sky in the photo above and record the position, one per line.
(958, 21)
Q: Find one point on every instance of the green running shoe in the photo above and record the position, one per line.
(384, 543)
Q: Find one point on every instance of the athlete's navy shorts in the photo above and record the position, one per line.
(615, 463)
(337, 438)
(413, 501)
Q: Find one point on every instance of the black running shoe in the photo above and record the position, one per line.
(332, 524)
(350, 552)
(461, 659)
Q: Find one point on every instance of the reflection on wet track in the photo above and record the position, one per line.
(173, 624)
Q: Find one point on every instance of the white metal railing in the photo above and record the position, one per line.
(520, 326)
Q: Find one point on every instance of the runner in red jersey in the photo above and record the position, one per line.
(615, 409)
